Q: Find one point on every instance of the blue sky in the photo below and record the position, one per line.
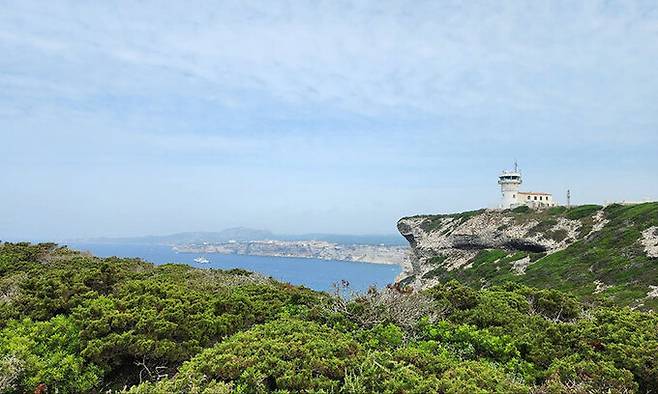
(129, 118)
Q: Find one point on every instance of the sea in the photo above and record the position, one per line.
(312, 273)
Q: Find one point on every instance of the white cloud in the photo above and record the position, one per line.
(368, 58)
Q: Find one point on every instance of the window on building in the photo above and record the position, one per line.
(535, 198)
(529, 197)
(540, 198)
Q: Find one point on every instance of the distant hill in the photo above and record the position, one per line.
(236, 233)
(597, 252)
(244, 234)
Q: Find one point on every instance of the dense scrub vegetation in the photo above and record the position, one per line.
(78, 323)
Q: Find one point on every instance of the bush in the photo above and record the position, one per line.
(85, 325)
(572, 376)
(582, 211)
(479, 377)
(521, 209)
(45, 352)
(282, 355)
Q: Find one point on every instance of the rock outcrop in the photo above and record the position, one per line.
(580, 247)
(650, 241)
(457, 239)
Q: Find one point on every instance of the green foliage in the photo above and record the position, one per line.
(471, 343)
(382, 336)
(289, 355)
(487, 256)
(480, 378)
(386, 372)
(627, 338)
(169, 323)
(571, 375)
(185, 384)
(176, 329)
(132, 316)
(553, 211)
(46, 352)
(45, 281)
(582, 211)
(545, 326)
(521, 209)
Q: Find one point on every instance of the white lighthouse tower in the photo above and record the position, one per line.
(509, 182)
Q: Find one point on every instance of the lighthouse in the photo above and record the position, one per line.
(509, 182)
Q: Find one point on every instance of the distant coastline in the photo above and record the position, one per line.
(375, 249)
(310, 249)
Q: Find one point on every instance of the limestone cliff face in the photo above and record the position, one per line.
(451, 242)
(588, 249)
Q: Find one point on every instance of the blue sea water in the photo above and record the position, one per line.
(313, 273)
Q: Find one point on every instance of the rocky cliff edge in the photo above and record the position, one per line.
(593, 250)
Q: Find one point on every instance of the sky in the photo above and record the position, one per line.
(132, 118)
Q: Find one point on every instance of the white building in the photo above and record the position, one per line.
(510, 181)
(536, 199)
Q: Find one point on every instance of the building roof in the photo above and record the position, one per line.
(537, 193)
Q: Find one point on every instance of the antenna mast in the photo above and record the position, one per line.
(568, 198)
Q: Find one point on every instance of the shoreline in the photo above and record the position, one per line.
(369, 254)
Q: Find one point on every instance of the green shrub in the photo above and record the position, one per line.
(521, 209)
(45, 352)
(481, 378)
(282, 355)
(572, 375)
(384, 372)
(115, 322)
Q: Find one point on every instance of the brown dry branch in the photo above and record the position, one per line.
(380, 306)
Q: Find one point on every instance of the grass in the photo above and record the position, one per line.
(487, 256)
(556, 210)
(582, 211)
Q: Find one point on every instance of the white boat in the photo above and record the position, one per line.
(201, 260)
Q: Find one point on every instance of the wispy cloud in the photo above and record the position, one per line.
(373, 58)
(383, 91)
